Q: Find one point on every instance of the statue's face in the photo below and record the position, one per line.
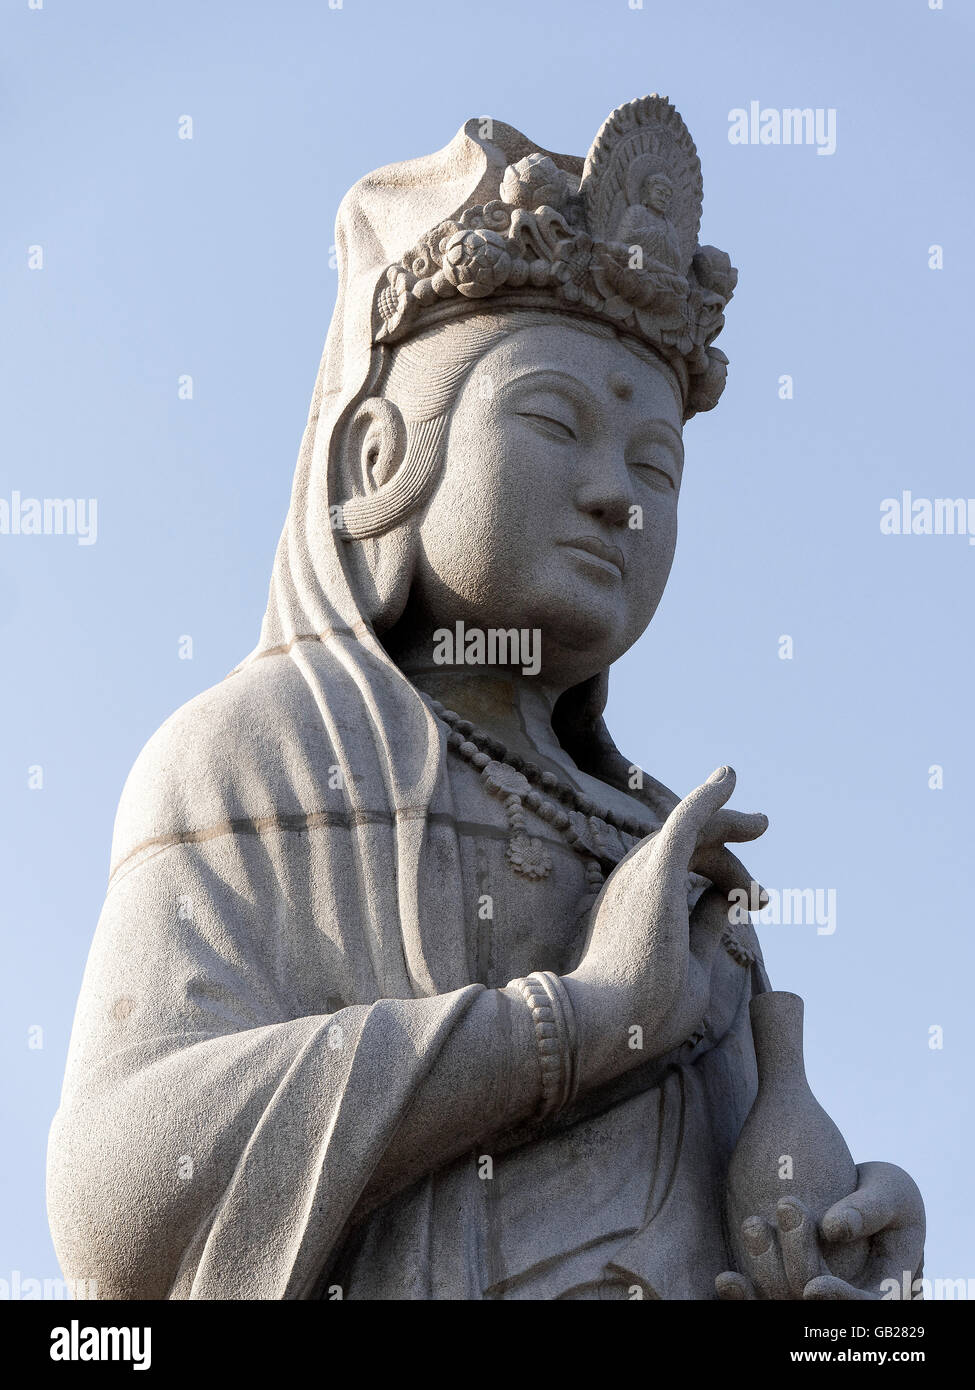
(657, 194)
(557, 506)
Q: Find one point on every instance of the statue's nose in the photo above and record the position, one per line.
(607, 494)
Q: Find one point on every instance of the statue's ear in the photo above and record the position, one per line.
(375, 446)
(388, 469)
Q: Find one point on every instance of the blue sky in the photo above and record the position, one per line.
(210, 256)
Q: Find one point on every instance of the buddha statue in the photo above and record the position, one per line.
(409, 984)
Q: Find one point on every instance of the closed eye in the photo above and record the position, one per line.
(655, 476)
(546, 424)
(657, 472)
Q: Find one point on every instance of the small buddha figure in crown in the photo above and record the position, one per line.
(645, 224)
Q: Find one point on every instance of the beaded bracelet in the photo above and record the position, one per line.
(555, 1036)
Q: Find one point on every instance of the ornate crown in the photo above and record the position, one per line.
(620, 245)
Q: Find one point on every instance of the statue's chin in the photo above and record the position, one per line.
(599, 630)
(581, 646)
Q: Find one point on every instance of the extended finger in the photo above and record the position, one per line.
(885, 1197)
(735, 1288)
(828, 1288)
(761, 1248)
(733, 826)
(802, 1259)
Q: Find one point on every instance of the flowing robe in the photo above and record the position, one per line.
(280, 958)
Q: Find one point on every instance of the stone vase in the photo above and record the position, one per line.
(788, 1146)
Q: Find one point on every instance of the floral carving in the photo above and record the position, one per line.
(534, 182)
(477, 262)
(502, 780)
(528, 857)
(714, 272)
(534, 239)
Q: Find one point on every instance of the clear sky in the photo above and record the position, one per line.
(210, 257)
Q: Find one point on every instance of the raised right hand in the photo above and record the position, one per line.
(646, 962)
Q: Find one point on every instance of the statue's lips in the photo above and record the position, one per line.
(608, 556)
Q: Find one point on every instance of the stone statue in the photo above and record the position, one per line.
(408, 985)
(645, 225)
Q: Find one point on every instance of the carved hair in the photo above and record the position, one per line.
(423, 376)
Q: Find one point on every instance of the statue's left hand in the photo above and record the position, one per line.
(787, 1260)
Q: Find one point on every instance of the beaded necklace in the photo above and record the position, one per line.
(600, 837)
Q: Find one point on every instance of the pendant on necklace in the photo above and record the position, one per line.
(526, 854)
